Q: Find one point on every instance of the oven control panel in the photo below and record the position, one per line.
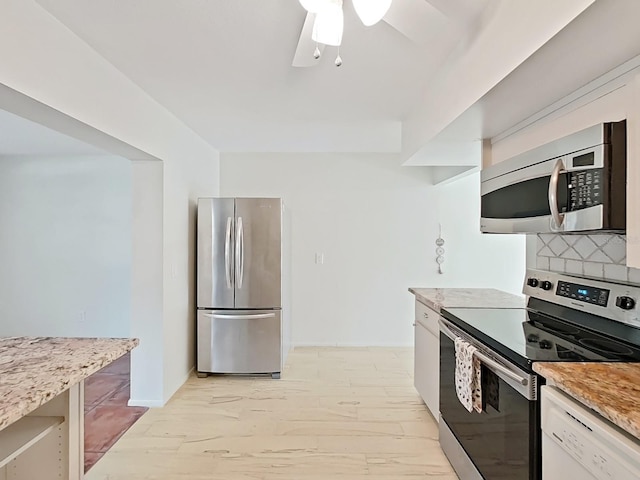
(583, 293)
(615, 301)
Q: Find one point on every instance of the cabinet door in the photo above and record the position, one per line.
(427, 357)
(633, 179)
(432, 394)
(420, 360)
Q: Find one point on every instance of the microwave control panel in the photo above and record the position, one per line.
(585, 188)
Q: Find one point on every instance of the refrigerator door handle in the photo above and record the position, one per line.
(227, 253)
(256, 316)
(239, 253)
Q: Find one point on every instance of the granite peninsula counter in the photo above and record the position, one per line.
(42, 392)
(439, 298)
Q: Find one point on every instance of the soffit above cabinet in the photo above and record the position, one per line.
(599, 40)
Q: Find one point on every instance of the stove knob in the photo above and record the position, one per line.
(533, 282)
(625, 303)
(546, 285)
(532, 338)
(545, 344)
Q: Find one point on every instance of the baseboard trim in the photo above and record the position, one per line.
(133, 402)
(181, 384)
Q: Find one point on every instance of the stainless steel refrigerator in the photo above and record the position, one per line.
(239, 286)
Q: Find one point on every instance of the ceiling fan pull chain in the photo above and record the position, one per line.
(316, 52)
(338, 61)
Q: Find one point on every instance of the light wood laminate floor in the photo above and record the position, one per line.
(336, 414)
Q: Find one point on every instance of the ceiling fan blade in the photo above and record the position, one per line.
(417, 20)
(460, 11)
(303, 57)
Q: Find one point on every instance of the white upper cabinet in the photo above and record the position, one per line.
(606, 99)
(633, 173)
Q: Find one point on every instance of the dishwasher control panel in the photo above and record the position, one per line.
(593, 447)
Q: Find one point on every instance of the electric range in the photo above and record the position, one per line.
(567, 319)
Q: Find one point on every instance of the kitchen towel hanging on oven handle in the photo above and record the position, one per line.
(468, 376)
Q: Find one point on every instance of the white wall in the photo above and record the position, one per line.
(473, 259)
(147, 360)
(165, 198)
(65, 246)
(376, 223)
(73, 81)
(183, 183)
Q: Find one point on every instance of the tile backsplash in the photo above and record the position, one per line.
(599, 256)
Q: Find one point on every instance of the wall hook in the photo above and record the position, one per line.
(439, 249)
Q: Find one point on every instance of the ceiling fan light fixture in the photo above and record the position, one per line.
(329, 24)
(371, 11)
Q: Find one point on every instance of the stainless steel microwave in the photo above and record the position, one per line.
(574, 184)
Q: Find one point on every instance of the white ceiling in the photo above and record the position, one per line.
(224, 67)
(19, 136)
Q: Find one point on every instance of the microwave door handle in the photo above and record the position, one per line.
(558, 218)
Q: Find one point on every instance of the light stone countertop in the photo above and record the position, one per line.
(611, 389)
(33, 370)
(439, 298)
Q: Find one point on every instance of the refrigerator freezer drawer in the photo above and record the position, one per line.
(239, 341)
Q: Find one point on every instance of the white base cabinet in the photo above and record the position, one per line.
(426, 367)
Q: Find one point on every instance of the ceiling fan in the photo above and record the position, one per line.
(324, 25)
(421, 21)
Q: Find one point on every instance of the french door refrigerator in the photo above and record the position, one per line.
(239, 286)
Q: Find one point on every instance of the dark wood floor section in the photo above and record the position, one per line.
(106, 414)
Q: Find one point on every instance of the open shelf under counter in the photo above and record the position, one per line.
(24, 433)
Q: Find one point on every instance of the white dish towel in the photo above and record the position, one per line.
(468, 376)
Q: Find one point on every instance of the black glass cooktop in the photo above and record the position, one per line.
(525, 336)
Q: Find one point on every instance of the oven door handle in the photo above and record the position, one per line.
(558, 218)
(488, 361)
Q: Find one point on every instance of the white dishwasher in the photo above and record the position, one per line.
(578, 444)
